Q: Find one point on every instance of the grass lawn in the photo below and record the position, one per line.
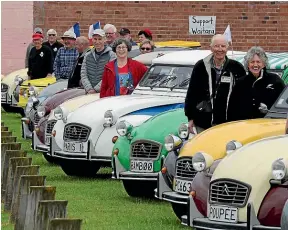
(102, 203)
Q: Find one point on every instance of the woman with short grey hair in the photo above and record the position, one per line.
(255, 92)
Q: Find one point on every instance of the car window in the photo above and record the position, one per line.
(282, 102)
(167, 76)
(53, 88)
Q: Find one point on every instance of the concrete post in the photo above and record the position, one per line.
(2, 123)
(65, 224)
(8, 139)
(24, 189)
(14, 162)
(48, 210)
(9, 154)
(36, 194)
(20, 170)
(4, 147)
(6, 133)
(4, 128)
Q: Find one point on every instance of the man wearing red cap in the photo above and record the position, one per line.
(40, 62)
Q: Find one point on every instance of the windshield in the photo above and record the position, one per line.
(282, 102)
(167, 76)
(54, 88)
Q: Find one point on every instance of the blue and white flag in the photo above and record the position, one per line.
(92, 28)
(227, 34)
(76, 29)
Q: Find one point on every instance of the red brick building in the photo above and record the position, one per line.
(252, 23)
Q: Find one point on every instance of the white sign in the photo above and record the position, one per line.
(202, 25)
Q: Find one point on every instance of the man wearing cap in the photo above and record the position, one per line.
(82, 45)
(52, 42)
(144, 35)
(40, 60)
(37, 30)
(66, 57)
(93, 64)
(125, 33)
(110, 32)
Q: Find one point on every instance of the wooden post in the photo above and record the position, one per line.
(4, 147)
(36, 194)
(2, 123)
(48, 210)
(4, 128)
(24, 188)
(14, 162)
(65, 224)
(6, 133)
(8, 139)
(20, 170)
(9, 154)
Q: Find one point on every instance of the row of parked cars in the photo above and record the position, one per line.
(231, 176)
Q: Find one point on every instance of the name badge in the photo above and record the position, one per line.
(79, 63)
(225, 79)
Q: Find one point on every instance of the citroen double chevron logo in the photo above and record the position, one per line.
(142, 147)
(225, 190)
(74, 131)
(187, 166)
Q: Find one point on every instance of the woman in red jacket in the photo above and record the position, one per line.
(122, 75)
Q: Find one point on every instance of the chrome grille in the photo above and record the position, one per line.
(4, 88)
(228, 192)
(145, 149)
(76, 132)
(49, 126)
(36, 118)
(184, 169)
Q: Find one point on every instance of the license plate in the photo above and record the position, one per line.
(76, 147)
(223, 214)
(182, 186)
(3, 96)
(47, 139)
(141, 166)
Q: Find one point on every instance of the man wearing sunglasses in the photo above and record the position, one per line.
(52, 42)
(146, 46)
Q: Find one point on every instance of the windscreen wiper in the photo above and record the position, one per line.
(181, 84)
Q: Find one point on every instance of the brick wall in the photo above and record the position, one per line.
(16, 29)
(252, 23)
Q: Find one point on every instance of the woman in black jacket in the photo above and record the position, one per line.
(258, 88)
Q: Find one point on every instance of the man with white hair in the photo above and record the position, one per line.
(110, 32)
(211, 84)
(82, 45)
(40, 59)
(52, 42)
(66, 57)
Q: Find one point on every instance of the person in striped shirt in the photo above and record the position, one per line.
(66, 57)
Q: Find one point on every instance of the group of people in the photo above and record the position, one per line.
(221, 90)
(105, 68)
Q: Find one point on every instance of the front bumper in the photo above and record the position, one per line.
(196, 220)
(37, 145)
(26, 133)
(90, 155)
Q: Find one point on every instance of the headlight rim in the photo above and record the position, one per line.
(41, 115)
(183, 125)
(108, 122)
(284, 170)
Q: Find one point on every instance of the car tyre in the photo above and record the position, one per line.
(179, 210)
(79, 168)
(7, 108)
(51, 160)
(136, 188)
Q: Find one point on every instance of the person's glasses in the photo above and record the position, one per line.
(121, 48)
(109, 33)
(51, 35)
(144, 48)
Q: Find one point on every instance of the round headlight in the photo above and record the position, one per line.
(108, 117)
(169, 143)
(232, 146)
(279, 169)
(32, 91)
(58, 113)
(183, 131)
(121, 128)
(18, 80)
(41, 111)
(198, 162)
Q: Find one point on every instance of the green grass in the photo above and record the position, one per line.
(102, 203)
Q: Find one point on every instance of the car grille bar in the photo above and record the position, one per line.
(228, 192)
(36, 118)
(4, 88)
(145, 149)
(49, 126)
(184, 168)
(76, 132)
